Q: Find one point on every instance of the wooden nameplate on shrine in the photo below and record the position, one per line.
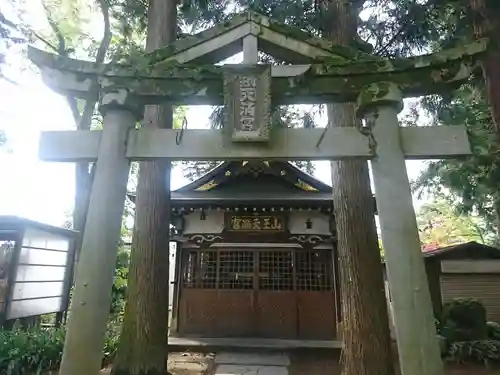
(255, 223)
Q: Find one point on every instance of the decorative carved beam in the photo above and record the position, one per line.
(294, 144)
(330, 81)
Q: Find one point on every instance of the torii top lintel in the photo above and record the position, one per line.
(336, 74)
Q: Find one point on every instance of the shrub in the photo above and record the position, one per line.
(37, 351)
(464, 319)
(493, 330)
(111, 341)
(31, 351)
(119, 289)
(478, 351)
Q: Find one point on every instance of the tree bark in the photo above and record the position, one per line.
(496, 209)
(365, 324)
(143, 342)
(486, 23)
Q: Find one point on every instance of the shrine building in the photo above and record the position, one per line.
(256, 256)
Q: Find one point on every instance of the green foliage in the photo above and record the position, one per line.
(12, 32)
(111, 341)
(464, 319)
(193, 15)
(31, 351)
(386, 27)
(198, 14)
(469, 185)
(68, 19)
(36, 351)
(440, 224)
(477, 351)
(119, 289)
(469, 338)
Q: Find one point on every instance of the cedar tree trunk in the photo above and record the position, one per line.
(143, 342)
(365, 324)
(486, 21)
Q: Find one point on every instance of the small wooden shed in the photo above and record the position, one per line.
(36, 266)
(468, 270)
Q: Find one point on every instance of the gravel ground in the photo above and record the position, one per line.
(187, 363)
(320, 363)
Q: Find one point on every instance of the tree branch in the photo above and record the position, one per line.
(45, 41)
(5, 21)
(88, 109)
(107, 35)
(60, 50)
(394, 38)
(73, 106)
(60, 37)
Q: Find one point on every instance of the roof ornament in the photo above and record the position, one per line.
(180, 133)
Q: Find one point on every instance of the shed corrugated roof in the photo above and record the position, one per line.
(472, 248)
(15, 222)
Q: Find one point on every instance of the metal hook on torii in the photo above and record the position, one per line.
(180, 133)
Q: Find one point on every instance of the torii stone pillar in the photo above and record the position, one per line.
(89, 309)
(413, 317)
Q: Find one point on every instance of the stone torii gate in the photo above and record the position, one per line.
(322, 73)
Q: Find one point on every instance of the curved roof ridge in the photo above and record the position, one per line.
(204, 178)
(214, 172)
(310, 177)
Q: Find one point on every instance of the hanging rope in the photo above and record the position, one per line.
(180, 133)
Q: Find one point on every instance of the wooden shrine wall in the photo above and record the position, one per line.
(249, 275)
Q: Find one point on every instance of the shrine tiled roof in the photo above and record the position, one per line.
(277, 184)
(292, 177)
(254, 183)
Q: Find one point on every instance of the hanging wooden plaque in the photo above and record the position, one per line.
(247, 102)
(255, 223)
